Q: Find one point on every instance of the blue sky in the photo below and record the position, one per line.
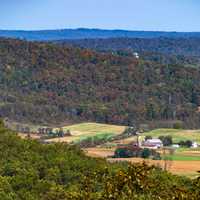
(164, 15)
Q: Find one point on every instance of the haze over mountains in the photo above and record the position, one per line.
(83, 33)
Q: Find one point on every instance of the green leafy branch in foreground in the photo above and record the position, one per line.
(33, 171)
(137, 182)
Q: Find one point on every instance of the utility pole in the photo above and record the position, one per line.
(167, 157)
(138, 138)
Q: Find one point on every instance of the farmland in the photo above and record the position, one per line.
(31, 170)
(177, 134)
(83, 131)
(180, 164)
(184, 161)
(182, 168)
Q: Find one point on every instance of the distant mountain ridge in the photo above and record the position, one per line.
(84, 33)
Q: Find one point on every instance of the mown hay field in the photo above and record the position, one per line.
(177, 134)
(84, 130)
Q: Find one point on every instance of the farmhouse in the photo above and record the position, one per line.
(153, 143)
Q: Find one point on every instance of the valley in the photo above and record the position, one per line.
(184, 161)
(99, 100)
(61, 93)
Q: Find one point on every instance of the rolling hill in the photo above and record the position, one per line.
(46, 83)
(84, 131)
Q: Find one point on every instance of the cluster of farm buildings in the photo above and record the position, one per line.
(157, 143)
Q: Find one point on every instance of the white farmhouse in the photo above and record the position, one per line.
(153, 143)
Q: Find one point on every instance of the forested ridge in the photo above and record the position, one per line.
(33, 171)
(45, 83)
(164, 45)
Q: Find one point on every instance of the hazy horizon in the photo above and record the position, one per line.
(143, 15)
(90, 28)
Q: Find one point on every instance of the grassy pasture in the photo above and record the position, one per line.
(94, 128)
(87, 130)
(185, 161)
(176, 134)
(182, 157)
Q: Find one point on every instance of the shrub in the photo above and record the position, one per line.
(166, 140)
(127, 152)
(146, 153)
(178, 125)
(131, 130)
(187, 143)
(123, 153)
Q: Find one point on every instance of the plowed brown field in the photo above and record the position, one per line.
(187, 168)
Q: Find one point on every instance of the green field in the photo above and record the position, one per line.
(183, 157)
(94, 128)
(96, 137)
(183, 149)
(83, 131)
(176, 134)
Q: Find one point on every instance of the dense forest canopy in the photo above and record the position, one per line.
(45, 83)
(165, 45)
(33, 171)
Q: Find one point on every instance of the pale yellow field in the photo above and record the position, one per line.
(25, 136)
(94, 128)
(184, 168)
(84, 130)
(176, 134)
(125, 140)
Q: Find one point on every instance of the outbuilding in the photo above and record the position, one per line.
(153, 143)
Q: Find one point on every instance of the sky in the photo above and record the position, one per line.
(154, 15)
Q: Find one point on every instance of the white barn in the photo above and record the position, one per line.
(153, 143)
